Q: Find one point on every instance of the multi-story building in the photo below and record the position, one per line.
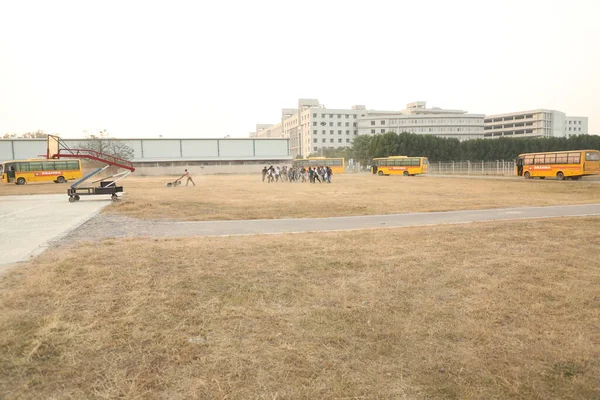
(418, 119)
(313, 127)
(536, 123)
(576, 126)
(268, 131)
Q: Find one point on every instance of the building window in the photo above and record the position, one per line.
(347, 140)
(354, 116)
(372, 130)
(315, 123)
(314, 115)
(382, 122)
(347, 116)
(339, 124)
(316, 148)
(315, 132)
(331, 132)
(347, 132)
(339, 132)
(579, 122)
(331, 124)
(372, 122)
(355, 132)
(569, 128)
(347, 123)
(340, 140)
(330, 115)
(339, 115)
(315, 140)
(331, 140)
(579, 129)
(383, 131)
(324, 140)
(324, 132)
(354, 124)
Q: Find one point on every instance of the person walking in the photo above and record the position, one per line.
(189, 178)
(264, 174)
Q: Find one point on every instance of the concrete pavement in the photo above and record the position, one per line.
(28, 223)
(107, 225)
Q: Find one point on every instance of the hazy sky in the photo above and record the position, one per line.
(210, 69)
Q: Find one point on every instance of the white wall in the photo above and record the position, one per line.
(26, 149)
(200, 148)
(268, 147)
(6, 151)
(195, 170)
(164, 149)
(236, 148)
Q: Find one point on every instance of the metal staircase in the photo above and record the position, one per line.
(58, 149)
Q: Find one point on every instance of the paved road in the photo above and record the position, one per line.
(105, 225)
(28, 223)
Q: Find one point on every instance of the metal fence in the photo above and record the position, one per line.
(498, 167)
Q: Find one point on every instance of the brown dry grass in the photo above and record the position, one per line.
(230, 197)
(245, 197)
(452, 312)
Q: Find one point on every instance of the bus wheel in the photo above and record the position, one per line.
(60, 179)
(21, 181)
(560, 176)
(380, 173)
(527, 175)
(405, 173)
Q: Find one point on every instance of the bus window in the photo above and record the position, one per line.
(574, 158)
(550, 158)
(592, 156)
(539, 159)
(561, 158)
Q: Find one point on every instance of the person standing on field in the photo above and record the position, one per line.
(189, 178)
(264, 173)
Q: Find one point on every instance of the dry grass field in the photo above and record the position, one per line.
(481, 311)
(245, 197)
(230, 197)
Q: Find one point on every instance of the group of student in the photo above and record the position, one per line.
(291, 174)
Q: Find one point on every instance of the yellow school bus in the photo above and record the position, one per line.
(571, 164)
(24, 171)
(336, 164)
(400, 165)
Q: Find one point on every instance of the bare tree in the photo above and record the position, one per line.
(102, 142)
(39, 134)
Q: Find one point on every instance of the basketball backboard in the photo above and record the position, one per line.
(53, 147)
